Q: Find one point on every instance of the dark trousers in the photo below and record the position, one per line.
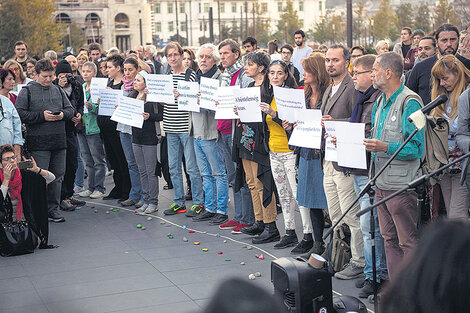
(54, 162)
(398, 220)
(71, 164)
(115, 154)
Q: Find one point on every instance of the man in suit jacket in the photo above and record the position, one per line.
(338, 103)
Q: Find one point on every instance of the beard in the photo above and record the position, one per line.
(299, 43)
(444, 52)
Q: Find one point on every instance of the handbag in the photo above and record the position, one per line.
(15, 238)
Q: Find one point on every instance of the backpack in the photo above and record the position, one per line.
(340, 248)
(436, 148)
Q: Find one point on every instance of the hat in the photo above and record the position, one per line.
(63, 67)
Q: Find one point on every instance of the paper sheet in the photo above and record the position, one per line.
(160, 88)
(187, 99)
(108, 100)
(350, 145)
(226, 100)
(247, 101)
(97, 83)
(330, 149)
(129, 112)
(288, 101)
(308, 131)
(208, 89)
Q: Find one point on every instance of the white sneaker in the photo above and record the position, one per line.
(78, 189)
(97, 194)
(85, 193)
(151, 208)
(142, 208)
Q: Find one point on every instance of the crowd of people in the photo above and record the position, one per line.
(50, 115)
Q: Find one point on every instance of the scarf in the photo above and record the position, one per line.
(127, 84)
(229, 72)
(362, 97)
(14, 187)
(208, 74)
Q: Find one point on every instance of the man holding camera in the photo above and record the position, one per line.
(45, 108)
(74, 91)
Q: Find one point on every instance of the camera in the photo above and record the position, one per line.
(70, 78)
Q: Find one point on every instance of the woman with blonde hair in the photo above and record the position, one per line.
(20, 76)
(81, 59)
(382, 47)
(451, 77)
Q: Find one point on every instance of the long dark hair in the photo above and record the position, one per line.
(267, 88)
(436, 277)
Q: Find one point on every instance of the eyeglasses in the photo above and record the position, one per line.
(8, 159)
(359, 73)
(173, 55)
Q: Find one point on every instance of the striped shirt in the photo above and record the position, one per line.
(174, 120)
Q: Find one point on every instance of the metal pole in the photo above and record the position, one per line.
(254, 22)
(241, 22)
(218, 18)
(246, 18)
(191, 23)
(187, 33)
(349, 16)
(177, 25)
(140, 29)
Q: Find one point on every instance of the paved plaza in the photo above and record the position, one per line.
(104, 263)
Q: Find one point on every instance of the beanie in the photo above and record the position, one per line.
(63, 67)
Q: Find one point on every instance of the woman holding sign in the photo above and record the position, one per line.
(312, 195)
(282, 162)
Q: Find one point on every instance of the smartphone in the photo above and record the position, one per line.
(25, 164)
(56, 113)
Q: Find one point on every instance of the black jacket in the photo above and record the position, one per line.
(147, 135)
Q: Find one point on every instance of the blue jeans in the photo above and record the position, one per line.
(179, 144)
(80, 173)
(136, 189)
(381, 263)
(92, 151)
(214, 177)
(242, 199)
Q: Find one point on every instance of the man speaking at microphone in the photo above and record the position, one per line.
(398, 217)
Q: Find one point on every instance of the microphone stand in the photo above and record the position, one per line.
(416, 182)
(368, 189)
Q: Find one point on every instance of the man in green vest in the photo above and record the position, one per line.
(398, 217)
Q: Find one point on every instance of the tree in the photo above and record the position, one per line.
(31, 21)
(444, 13)
(422, 17)
(358, 22)
(323, 33)
(74, 38)
(385, 22)
(404, 14)
(331, 28)
(288, 24)
(182, 40)
(259, 28)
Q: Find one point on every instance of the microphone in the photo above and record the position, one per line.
(419, 118)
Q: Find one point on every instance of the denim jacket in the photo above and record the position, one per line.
(10, 123)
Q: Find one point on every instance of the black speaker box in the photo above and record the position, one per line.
(300, 287)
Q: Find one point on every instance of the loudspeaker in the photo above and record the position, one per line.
(300, 287)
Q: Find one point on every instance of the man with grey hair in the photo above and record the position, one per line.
(149, 56)
(233, 75)
(398, 217)
(208, 153)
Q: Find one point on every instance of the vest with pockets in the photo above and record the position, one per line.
(398, 173)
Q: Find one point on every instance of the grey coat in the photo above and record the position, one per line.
(463, 130)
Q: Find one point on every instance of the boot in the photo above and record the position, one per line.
(254, 230)
(318, 248)
(269, 234)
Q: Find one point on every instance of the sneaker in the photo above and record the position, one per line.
(303, 247)
(256, 229)
(350, 271)
(142, 208)
(77, 202)
(360, 283)
(195, 210)
(97, 194)
(286, 241)
(85, 193)
(54, 216)
(65, 205)
(139, 204)
(127, 202)
(204, 216)
(238, 229)
(174, 209)
(151, 208)
(229, 225)
(318, 248)
(368, 289)
(218, 219)
(78, 189)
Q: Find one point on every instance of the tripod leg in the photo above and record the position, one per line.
(371, 193)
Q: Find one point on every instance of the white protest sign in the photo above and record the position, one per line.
(187, 99)
(129, 112)
(108, 100)
(308, 131)
(208, 89)
(288, 101)
(330, 149)
(350, 145)
(226, 100)
(247, 101)
(85, 109)
(160, 88)
(97, 83)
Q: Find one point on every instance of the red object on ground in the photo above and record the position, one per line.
(220, 252)
(191, 231)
